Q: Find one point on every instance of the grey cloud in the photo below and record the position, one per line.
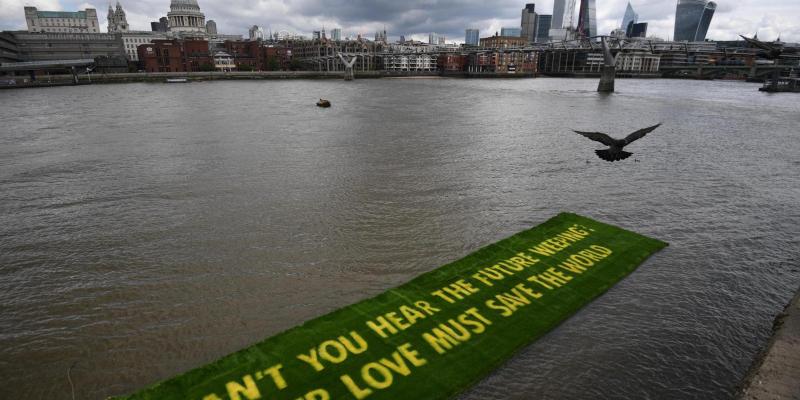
(448, 17)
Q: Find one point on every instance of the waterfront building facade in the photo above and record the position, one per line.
(543, 23)
(637, 62)
(318, 55)
(498, 61)
(451, 62)
(692, 19)
(223, 62)
(131, 40)
(587, 19)
(528, 22)
(62, 21)
(176, 55)
(408, 62)
(246, 55)
(510, 32)
(117, 22)
(185, 16)
(472, 37)
(67, 46)
(568, 62)
(9, 48)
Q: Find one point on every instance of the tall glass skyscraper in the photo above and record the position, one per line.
(516, 32)
(705, 21)
(472, 38)
(543, 23)
(562, 24)
(529, 22)
(587, 19)
(692, 18)
(630, 17)
(638, 29)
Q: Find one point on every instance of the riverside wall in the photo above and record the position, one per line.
(775, 375)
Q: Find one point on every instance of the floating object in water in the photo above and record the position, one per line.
(177, 80)
(614, 152)
(323, 103)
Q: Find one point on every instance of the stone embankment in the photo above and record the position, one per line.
(775, 375)
(65, 80)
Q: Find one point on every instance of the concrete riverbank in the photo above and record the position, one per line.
(160, 77)
(776, 373)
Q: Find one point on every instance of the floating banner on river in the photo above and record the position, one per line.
(435, 335)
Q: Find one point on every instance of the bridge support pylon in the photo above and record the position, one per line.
(609, 70)
(607, 75)
(348, 67)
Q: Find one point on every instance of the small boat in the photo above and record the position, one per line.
(177, 80)
(323, 103)
(782, 84)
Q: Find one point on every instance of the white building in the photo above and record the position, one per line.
(62, 21)
(117, 22)
(257, 33)
(435, 38)
(638, 61)
(223, 62)
(410, 62)
(185, 16)
(132, 39)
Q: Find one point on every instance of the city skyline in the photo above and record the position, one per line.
(417, 19)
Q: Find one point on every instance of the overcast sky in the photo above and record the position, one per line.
(416, 18)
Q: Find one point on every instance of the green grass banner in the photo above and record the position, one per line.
(435, 335)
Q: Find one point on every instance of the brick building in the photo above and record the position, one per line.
(502, 61)
(450, 62)
(503, 42)
(192, 55)
(189, 55)
(247, 55)
(278, 57)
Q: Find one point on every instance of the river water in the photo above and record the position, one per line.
(146, 229)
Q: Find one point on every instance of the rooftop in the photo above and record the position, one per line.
(61, 14)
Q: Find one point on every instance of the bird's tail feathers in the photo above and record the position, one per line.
(610, 155)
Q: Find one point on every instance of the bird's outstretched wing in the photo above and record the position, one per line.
(599, 137)
(640, 133)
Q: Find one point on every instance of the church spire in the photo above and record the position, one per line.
(117, 22)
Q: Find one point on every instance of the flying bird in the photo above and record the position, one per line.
(614, 152)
